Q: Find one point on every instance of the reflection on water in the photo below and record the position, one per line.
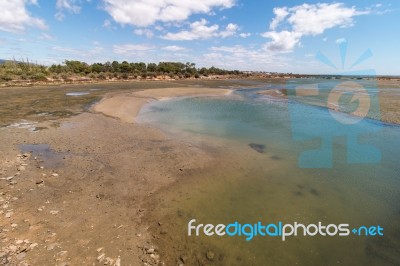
(248, 186)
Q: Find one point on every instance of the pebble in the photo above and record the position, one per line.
(101, 257)
(54, 174)
(39, 182)
(14, 225)
(150, 251)
(118, 261)
(33, 245)
(21, 256)
(9, 214)
(9, 178)
(210, 255)
(184, 258)
(54, 212)
(99, 249)
(21, 168)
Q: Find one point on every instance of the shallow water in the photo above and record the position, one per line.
(275, 185)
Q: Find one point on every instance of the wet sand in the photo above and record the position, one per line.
(87, 207)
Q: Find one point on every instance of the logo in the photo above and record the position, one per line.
(281, 230)
(342, 105)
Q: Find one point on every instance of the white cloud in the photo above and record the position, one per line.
(15, 17)
(245, 35)
(66, 5)
(145, 13)
(229, 31)
(144, 32)
(307, 20)
(129, 49)
(45, 36)
(200, 30)
(243, 58)
(283, 41)
(341, 40)
(174, 48)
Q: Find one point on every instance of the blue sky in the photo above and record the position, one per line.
(281, 36)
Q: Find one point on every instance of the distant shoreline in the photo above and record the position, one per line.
(245, 76)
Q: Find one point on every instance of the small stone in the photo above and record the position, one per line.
(184, 258)
(99, 249)
(9, 214)
(109, 261)
(21, 168)
(51, 246)
(9, 178)
(54, 174)
(210, 255)
(18, 241)
(101, 257)
(21, 256)
(14, 225)
(33, 245)
(118, 261)
(39, 182)
(54, 212)
(150, 251)
(41, 167)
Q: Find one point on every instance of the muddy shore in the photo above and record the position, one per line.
(80, 201)
(87, 197)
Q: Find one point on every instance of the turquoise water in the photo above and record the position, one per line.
(275, 188)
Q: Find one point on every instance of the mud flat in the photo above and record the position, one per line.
(85, 205)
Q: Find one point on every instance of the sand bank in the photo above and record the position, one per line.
(126, 106)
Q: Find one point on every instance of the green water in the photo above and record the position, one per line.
(268, 185)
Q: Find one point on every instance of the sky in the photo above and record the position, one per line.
(312, 37)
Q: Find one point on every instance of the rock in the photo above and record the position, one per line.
(210, 255)
(184, 258)
(39, 182)
(54, 212)
(9, 214)
(21, 256)
(99, 249)
(41, 167)
(118, 261)
(21, 168)
(51, 246)
(33, 245)
(150, 251)
(14, 225)
(109, 261)
(101, 257)
(18, 242)
(54, 174)
(260, 148)
(9, 178)
(163, 231)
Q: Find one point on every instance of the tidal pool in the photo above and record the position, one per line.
(257, 178)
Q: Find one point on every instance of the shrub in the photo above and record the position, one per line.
(39, 77)
(5, 77)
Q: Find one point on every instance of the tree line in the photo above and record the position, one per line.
(25, 70)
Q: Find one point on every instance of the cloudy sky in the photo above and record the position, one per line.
(282, 36)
